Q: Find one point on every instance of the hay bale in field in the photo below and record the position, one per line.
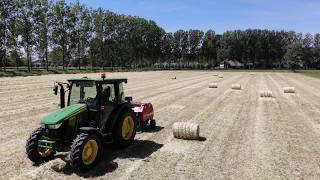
(236, 86)
(252, 73)
(220, 76)
(213, 85)
(289, 90)
(185, 130)
(266, 93)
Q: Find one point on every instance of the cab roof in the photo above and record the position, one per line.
(105, 80)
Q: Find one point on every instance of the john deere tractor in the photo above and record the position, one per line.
(95, 112)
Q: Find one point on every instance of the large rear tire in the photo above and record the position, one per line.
(85, 151)
(34, 152)
(125, 129)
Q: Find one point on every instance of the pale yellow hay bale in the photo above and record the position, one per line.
(236, 86)
(266, 93)
(185, 130)
(213, 85)
(289, 90)
(220, 76)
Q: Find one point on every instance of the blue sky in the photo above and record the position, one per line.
(220, 15)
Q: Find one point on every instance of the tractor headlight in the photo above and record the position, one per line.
(54, 126)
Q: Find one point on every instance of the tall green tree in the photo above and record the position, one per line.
(7, 21)
(294, 56)
(180, 45)
(153, 39)
(307, 43)
(43, 16)
(195, 40)
(81, 31)
(97, 42)
(316, 51)
(167, 48)
(27, 20)
(209, 47)
(61, 28)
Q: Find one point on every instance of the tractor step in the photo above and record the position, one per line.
(107, 138)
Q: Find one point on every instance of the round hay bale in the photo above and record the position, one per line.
(220, 76)
(266, 93)
(252, 73)
(215, 75)
(213, 85)
(236, 86)
(289, 90)
(185, 130)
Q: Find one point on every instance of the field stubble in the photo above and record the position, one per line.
(243, 136)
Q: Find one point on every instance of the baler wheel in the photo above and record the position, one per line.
(152, 124)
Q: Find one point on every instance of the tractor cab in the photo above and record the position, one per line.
(100, 96)
(95, 92)
(91, 91)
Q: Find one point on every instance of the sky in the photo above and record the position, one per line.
(220, 15)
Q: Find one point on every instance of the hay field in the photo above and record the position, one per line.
(243, 135)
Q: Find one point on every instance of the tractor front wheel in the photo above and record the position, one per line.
(85, 151)
(35, 153)
(125, 129)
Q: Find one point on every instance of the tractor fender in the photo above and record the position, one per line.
(116, 113)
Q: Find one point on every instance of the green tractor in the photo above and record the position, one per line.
(96, 112)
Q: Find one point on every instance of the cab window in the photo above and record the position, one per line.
(121, 92)
(108, 93)
(81, 91)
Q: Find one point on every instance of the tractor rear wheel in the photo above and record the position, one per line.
(152, 124)
(35, 153)
(125, 129)
(85, 151)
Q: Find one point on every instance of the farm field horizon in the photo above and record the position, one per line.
(243, 136)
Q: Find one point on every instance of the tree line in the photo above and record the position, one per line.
(73, 35)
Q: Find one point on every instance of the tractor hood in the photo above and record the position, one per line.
(64, 113)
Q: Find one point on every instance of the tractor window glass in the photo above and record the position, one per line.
(108, 92)
(82, 92)
(121, 92)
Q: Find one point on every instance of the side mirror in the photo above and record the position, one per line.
(55, 89)
(129, 99)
